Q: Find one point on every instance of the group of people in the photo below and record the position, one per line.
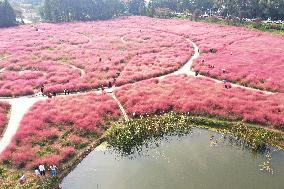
(53, 94)
(227, 85)
(40, 171)
(110, 84)
(67, 92)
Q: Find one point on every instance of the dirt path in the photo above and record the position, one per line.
(122, 110)
(122, 40)
(187, 69)
(3, 58)
(82, 72)
(19, 107)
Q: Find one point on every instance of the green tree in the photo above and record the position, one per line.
(80, 10)
(150, 9)
(137, 7)
(7, 15)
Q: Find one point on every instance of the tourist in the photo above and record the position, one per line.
(100, 59)
(65, 91)
(102, 87)
(196, 73)
(224, 70)
(109, 84)
(49, 95)
(53, 169)
(41, 169)
(114, 80)
(231, 53)
(37, 173)
(54, 93)
(42, 90)
(23, 179)
(227, 84)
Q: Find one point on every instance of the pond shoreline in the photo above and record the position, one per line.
(211, 125)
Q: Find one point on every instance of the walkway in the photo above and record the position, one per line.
(19, 108)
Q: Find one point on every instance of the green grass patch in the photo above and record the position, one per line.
(126, 137)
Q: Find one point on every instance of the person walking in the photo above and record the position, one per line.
(42, 90)
(37, 173)
(196, 73)
(41, 169)
(23, 179)
(65, 91)
(49, 95)
(114, 80)
(53, 169)
(109, 84)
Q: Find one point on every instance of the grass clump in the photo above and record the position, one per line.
(257, 138)
(126, 137)
(130, 136)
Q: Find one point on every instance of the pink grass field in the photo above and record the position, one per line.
(54, 130)
(101, 49)
(202, 96)
(138, 48)
(257, 58)
(81, 56)
(4, 111)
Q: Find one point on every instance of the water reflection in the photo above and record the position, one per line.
(200, 160)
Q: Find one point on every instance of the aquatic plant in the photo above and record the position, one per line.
(257, 138)
(128, 136)
(266, 166)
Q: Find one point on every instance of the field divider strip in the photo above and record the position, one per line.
(120, 106)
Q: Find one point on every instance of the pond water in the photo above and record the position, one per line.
(200, 160)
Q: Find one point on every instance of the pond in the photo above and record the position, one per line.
(200, 160)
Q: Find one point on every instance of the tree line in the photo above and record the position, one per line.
(7, 15)
(264, 9)
(85, 10)
(80, 10)
(74, 10)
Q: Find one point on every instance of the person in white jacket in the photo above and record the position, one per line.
(41, 169)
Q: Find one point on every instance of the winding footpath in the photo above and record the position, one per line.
(82, 72)
(21, 105)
